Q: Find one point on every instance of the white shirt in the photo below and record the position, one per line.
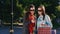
(46, 21)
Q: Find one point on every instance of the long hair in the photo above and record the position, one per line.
(43, 10)
(28, 12)
(27, 15)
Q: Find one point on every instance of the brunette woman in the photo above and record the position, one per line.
(30, 20)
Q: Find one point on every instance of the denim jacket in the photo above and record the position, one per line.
(46, 21)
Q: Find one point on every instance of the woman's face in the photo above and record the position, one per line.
(32, 9)
(40, 11)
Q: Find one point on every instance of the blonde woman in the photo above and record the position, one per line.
(43, 19)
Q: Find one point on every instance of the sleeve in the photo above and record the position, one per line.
(25, 28)
(48, 21)
(25, 22)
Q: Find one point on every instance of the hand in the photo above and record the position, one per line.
(32, 21)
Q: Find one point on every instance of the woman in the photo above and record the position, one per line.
(29, 21)
(43, 19)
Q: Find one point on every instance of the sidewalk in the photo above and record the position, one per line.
(58, 31)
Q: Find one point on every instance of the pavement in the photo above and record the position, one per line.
(17, 30)
(5, 30)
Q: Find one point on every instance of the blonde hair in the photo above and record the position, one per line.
(43, 10)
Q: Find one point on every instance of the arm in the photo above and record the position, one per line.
(48, 21)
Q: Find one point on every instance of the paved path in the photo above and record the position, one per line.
(58, 30)
(5, 30)
(17, 30)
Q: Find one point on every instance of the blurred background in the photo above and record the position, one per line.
(19, 9)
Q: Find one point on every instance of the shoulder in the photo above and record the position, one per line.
(47, 15)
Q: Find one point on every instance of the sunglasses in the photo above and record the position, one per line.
(32, 10)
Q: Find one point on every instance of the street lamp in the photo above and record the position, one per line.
(11, 28)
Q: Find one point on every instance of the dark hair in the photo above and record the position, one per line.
(31, 6)
(27, 15)
(28, 12)
(43, 11)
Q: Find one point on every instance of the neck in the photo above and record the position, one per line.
(40, 15)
